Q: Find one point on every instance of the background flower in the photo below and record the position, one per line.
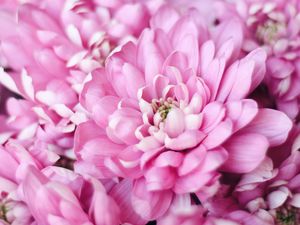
(273, 25)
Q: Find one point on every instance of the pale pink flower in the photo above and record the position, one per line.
(171, 109)
(273, 25)
(22, 123)
(50, 51)
(224, 205)
(14, 159)
(58, 196)
(275, 190)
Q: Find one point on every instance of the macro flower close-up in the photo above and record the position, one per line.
(149, 112)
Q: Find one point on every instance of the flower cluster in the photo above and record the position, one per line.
(143, 112)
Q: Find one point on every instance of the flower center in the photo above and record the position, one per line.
(163, 107)
(3, 208)
(269, 32)
(3, 212)
(288, 216)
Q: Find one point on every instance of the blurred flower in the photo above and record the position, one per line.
(273, 25)
(50, 49)
(275, 190)
(63, 197)
(14, 160)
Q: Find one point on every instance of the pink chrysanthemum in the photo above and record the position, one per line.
(47, 51)
(274, 190)
(170, 110)
(273, 25)
(14, 159)
(59, 196)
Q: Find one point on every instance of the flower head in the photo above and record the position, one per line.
(57, 45)
(275, 190)
(170, 110)
(273, 25)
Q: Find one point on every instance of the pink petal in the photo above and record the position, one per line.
(104, 108)
(259, 56)
(175, 123)
(213, 114)
(134, 79)
(186, 140)
(207, 53)
(150, 205)
(241, 113)
(272, 124)
(296, 200)
(218, 135)
(168, 158)
(192, 160)
(160, 178)
(246, 151)
(230, 29)
(122, 193)
(277, 198)
(280, 68)
(164, 19)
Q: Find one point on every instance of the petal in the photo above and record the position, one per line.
(205, 172)
(192, 160)
(164, 19)
(8, 165)
(213, 75)
(236, 76)
(168, 158)
(259, 56)
(104, 108)
(207, 53)
(122, 193)
(272, 124)
(218, 135)
(241, 112)
(150, 205)
(174, 123)
(276, 199)
(279, 69)
(160, 178)
(123, 123)
(186, 140)
(296, 200)
(134, 79)
(230, 29)
(85, 132)
(148, 143)
(213, 114)
(246, 151)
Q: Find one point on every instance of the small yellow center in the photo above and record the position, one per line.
(163, 107)
(269, 32)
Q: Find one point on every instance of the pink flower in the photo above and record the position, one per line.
(171, 110)
(51, 49)
(274, 25)
(22, 123)
(274, 190)
(224, 205)
(14, 160)
(73, 200)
